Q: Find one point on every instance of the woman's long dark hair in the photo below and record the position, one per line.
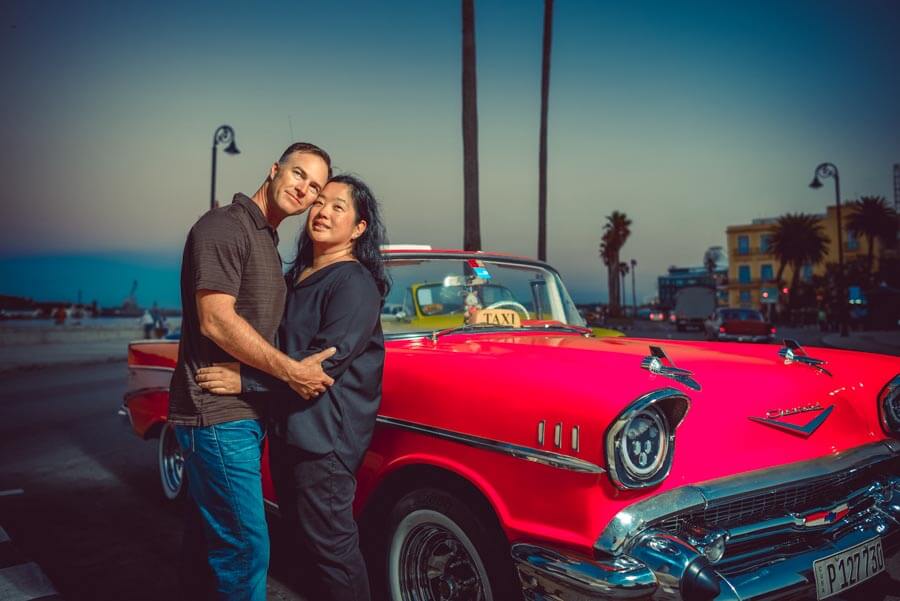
(366, 248)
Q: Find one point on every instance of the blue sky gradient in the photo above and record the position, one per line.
(687, 116)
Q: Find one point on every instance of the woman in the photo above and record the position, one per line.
(336, 287)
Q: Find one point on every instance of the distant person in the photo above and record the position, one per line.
(233, 295)
(59, 316)
(336, 288)
(146, 322)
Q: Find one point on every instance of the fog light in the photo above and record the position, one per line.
(709, 542)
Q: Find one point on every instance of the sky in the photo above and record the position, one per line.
(687, 116)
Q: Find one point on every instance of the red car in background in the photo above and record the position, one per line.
(738, 325)
(517, 455)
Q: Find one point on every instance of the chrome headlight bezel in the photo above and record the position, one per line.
(889, 407)
(663, 409)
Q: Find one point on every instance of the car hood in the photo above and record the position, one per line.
(502, 385)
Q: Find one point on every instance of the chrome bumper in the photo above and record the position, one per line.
(658, 565)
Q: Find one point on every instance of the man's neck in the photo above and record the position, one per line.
(269, 211)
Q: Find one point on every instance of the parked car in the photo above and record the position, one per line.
(693, 305)
(738, 325)
(531, 459)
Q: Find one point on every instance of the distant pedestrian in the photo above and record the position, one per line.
(823, 319)
(59, 316)
(146, 322)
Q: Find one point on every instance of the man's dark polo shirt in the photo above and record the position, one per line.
(232, 249)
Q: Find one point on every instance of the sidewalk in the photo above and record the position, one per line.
(33, 356)
(886, 342)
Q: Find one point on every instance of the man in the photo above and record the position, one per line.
(233, 295)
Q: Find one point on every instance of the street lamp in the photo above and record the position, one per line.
(224, 135)
(829, 170)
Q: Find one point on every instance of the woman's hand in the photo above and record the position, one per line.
(221, 378)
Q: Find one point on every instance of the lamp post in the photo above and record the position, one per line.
(223, 135)
(829, 170)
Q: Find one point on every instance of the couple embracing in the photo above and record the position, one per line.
(314, 393)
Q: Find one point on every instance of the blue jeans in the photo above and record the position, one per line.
(222, 470)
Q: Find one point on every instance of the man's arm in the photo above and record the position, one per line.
(220, 323)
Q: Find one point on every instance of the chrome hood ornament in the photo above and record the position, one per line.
(792, 352)
(658, 363)
(805, 430)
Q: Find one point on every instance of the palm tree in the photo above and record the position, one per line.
(623, 271)
(798, 240)
(542, 152)
(871, 217)
(615, 233)
(471, 221)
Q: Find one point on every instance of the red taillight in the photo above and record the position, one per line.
(772, 330)
(721, 329)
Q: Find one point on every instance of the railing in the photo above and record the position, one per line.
(751, 252)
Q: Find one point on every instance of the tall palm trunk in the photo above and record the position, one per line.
(870, 257)
(471, 221)
(542, 152)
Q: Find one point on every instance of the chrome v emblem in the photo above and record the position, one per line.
(804, 430)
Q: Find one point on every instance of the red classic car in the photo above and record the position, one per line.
(519, 456)
(738, 325)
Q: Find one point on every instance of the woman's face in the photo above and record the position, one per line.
(332, 217)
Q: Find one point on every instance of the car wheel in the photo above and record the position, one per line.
(171, 464)
(439, 549)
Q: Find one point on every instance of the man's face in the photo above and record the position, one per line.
(297, 181)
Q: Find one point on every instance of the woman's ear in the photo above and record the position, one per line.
(359, 229)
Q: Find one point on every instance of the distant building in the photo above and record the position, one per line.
(682, 277)
(753, 267)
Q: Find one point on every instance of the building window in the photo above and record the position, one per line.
(745, 297)
(744, 274)
(807, 272)
(743, 245)
(765, 242)
(766, 273)
(852, 241)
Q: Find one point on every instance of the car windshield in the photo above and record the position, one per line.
(741, 315)
(431, 294)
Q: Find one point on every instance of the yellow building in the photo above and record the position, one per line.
(752, 267)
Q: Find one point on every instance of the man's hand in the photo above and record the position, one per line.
(221, 378)
(307, 378)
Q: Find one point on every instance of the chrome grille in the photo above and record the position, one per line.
(799, 497)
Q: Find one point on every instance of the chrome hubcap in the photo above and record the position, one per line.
(171, 463)
(434, 565)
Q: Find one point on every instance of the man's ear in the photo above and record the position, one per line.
(273, 170)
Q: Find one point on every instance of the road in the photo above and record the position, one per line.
(90, 512)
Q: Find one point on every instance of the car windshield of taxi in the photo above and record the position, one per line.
(432, 294)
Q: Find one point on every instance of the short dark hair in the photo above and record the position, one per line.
(309, 149)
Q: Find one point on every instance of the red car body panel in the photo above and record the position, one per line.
(483, 391)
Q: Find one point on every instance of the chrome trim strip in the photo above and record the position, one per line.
(542, 426)
(634, 518)
(548, 458)
(157, 341)
(557, 435)
(151, 368)
(576, 431)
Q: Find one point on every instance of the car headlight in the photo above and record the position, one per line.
(889, 406)
(640, 443)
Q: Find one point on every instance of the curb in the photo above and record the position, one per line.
(21, 579)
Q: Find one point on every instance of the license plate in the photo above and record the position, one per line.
(843, 570)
